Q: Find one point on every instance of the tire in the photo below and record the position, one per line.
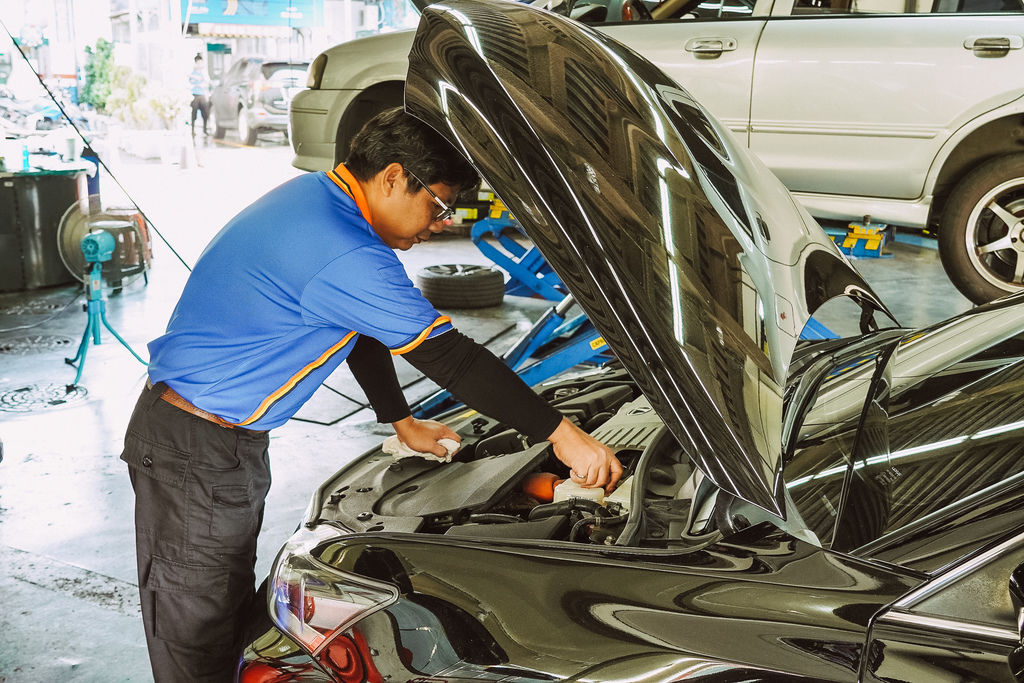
(245, 133)
(980, 237)
(461, 286)
(211, 123)
(219, 131)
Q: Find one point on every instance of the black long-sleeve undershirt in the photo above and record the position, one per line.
(468, 370)
(371, 365)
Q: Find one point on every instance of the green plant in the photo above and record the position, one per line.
(168, 105)
(99, 67)
(126, 95)
(126, 101)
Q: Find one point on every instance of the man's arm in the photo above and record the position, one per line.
(482, 381)
(371, 364)
(374, 370)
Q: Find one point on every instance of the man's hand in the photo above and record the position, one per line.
(591, 463)
(423, 435)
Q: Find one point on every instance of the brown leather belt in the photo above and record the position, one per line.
(178, 401)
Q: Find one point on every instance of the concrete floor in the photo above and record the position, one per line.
(67, 565)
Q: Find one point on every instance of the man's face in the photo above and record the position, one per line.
(409, 218)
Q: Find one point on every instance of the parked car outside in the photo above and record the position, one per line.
(909, 113)
(253, 97)
(844, 510)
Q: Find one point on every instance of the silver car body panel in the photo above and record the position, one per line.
(871, 97)
(875, 148)
(351, 68)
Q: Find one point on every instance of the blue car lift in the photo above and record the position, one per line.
(554, 344)
(530, 274)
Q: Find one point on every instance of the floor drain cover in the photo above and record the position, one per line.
(39, 397)
(31, 308)
(40, 343)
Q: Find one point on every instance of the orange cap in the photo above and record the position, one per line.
(541, 486)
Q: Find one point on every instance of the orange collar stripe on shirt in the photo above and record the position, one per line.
(294, 380)
(422, 335)
(347, 182)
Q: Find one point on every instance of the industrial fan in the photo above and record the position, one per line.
(92, 247)
(132, 250)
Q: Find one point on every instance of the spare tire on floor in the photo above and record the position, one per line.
(461, 286)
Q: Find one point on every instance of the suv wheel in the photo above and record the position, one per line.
(219, 131)
(981, 237)
(246, 133)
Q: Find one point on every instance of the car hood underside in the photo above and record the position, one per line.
(691, 259)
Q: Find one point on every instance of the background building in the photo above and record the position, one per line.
(159, 38)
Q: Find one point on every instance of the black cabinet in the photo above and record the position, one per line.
(31, 207)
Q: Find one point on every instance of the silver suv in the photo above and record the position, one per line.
(910, 111)
(253, 97)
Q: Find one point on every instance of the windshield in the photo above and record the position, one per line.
(286, 74)
(888, 442)
(611, 11)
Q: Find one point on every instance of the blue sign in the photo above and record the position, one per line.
(297, 13)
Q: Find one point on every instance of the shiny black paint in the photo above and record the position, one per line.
(563, 610)
(899, 654)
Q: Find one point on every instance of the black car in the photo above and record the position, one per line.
(253, 97)
(844, 509)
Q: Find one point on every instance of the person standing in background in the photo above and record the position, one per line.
(199, 84)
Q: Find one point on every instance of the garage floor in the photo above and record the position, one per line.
(67, 565)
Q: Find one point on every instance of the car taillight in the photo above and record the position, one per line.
(343, 659)
(313, 602)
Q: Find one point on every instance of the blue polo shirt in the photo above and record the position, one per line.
(276, 300)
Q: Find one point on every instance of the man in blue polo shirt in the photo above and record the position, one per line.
(303, 279)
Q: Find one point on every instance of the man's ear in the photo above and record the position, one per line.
(392, 178)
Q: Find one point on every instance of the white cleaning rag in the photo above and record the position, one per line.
(395, 447)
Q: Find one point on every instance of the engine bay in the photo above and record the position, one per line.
(499, 485)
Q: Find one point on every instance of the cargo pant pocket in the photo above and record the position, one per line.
(191, 604)
(232, 513)
(163, 463)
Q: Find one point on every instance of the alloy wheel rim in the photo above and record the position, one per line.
(456, 269)
(995, 235)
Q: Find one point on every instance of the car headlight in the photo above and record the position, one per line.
(316, 72)
(313, 602)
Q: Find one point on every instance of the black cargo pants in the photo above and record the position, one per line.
(199, 494)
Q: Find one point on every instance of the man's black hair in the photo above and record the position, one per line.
(394, 135)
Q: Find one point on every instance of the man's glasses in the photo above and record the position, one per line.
(446, 211)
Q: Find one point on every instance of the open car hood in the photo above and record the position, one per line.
(691, 259)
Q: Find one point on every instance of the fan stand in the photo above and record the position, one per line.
(97, 310)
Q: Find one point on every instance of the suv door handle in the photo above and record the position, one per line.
(993, 46)
(709, 48)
